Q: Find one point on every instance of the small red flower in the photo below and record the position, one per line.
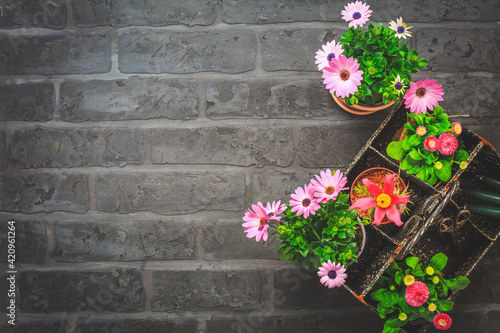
(456, 128)
(431, 143)
(447, 144)
(417, 293)
(442, 321)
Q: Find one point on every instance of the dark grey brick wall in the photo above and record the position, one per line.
(134, 134)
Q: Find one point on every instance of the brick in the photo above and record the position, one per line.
(119, 290)
(132, 98)
(60, 54)
(47, 193)
(223, 145)
(79, 241)
(467, 322)
(333, 146)
(27, 13)
(178, 325)
(272, 185)
(34, 101)
(493, 321)
(489, 129)
(471, 95)
(31, 241)
(294, 99)
(3, 150)
(464, 10)
(484, 287)
(117, 13)
(44, 147)
(47, 326)
(293, 50)
(411, 11)
(207, 290)
(225, 239)
(459, 50)
(187, 52)
(170, 193)
(301, 289)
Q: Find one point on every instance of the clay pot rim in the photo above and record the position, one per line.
(360, 109)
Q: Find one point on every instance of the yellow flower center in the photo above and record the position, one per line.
(429, 270)
(384, 200)
(432, 307)
(463, 165)
(409, 280)
(438, 165)
(330, 190)
(442, 322)
(344, 75)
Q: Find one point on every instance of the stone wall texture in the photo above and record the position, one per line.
(135, 134)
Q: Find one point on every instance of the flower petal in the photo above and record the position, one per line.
(379, 215)
(393, 215)
(389, 184)
(364, 204)
(372, 188)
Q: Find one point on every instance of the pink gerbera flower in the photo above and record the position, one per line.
(274, 209)
(384, 200)
(332, 275)
(256, 222)
(456, 128)
(304, 202)
(330, 51)
(447, 144)
(442, 321)
(431, 143)
(328, 186)
(356, 13)
(343, 76)
(423, 95)
(417, 294)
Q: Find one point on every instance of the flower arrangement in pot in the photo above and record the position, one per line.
(409, 291)
(430, 147)
(368, 66)
(316, 228)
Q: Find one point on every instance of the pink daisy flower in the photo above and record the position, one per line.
(328, 186)
(456, 128)
(423, 95)
(417, 294)
(256, 222)
(431, 143)
(332, 275)
(343, 76)
(329, 51)
(442, 321)
(384, 200)
(304, 202)
(447, 144)
(274, 209)
(356, 13)
(421, 130)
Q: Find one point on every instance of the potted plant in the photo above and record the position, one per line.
(367, 198)
(316, 228)
(409, 291)
(370, 67)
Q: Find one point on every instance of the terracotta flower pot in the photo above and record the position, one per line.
(376, 176)
(360, 109)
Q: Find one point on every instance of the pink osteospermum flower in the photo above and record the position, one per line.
(423, 95)
(421, 130)
(400, 27)
(256, 222)
(303, 201)
(447, 144)
(330, 51)
(328, 186)
(384, 200)
(431, 143)
(442, 321)
(456, 128)
(332, 275)
(343, 76)
(274, 209)
(417, 294)
(356, 13)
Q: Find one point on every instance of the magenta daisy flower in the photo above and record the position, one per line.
(356, 13)
(328, 186)
(456, 128)
(332, 275)
(343, 76)
(447, 144)
(423, 95)
(442, 321)
(274, 209)
(256, 222)
(417, 294)
(421, 130)
(304, 202)
(431, 143)
(329, 51)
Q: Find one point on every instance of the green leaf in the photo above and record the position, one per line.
(396, 322)
(422, 62)
(437, 111)
(407, 163)
(445, 172)
(462, 283)
(415, 155)
(395, 150)
(398, 278)
(409, 128)
(414, 140)
(438, 262)
(444, 305)
(412, 262)
(418, 271)
(461, 155)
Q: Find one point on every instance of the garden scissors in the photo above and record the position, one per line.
(447, 224)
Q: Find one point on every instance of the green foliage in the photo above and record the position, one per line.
(390, 289)
(381, 56)
(416, 159)
(330, 234)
